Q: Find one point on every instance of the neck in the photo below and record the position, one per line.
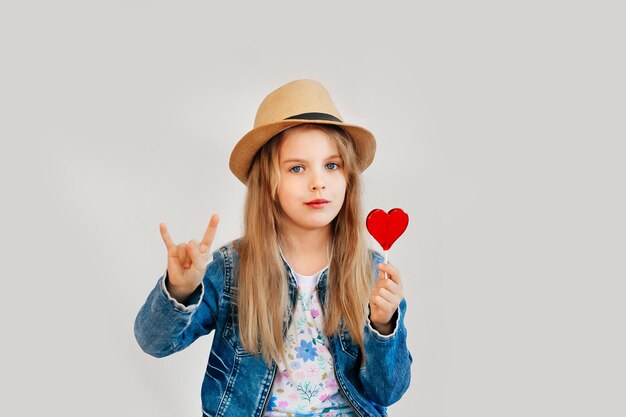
(301, 241)
(311, 241)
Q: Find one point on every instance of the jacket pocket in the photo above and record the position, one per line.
(347, 345)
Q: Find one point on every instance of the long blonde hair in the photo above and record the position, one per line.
(263, 290)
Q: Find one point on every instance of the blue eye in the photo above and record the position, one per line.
(296, 169)
(332, 165)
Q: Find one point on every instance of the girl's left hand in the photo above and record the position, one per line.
(385, 298)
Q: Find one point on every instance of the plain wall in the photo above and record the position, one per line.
(500, 129)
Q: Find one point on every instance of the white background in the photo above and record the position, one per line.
(500, 129)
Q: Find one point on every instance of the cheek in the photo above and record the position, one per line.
(343, 197)
(284, 194)
(342, 187)
(280, 197)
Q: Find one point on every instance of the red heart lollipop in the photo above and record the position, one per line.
(387, 227)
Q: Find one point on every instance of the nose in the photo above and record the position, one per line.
(317, 182)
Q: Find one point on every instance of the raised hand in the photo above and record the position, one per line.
(187, 262)
(385, 298)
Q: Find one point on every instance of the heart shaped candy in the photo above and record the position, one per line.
(387, 227)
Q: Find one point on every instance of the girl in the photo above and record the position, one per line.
(306, 324)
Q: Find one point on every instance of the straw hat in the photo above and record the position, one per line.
(295, 103)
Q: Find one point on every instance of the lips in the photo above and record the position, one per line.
(317, 203)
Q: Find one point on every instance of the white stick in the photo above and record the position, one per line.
(386, 258)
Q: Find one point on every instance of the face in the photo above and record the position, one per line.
(312, 183)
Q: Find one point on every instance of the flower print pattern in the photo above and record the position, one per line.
(313, 370)
(306, 384)
(331, 384)
(306, 351)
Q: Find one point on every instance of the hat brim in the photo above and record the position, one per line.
(244, 151)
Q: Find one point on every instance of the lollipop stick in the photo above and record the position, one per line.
(386, 258)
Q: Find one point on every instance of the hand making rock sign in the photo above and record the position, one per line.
(187, 262)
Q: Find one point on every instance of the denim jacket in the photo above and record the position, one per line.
(238, 383)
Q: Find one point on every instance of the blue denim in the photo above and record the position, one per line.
(238, 383)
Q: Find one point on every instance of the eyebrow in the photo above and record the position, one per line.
(291, 160)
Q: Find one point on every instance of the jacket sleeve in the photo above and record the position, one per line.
(164, 326)
(386, 374)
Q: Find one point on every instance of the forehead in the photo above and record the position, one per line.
(307, 143)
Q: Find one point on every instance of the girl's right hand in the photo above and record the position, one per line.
(187, 262)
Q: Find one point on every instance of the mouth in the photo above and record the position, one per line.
(317, 203)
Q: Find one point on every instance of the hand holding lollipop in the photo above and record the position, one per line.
(387, 294)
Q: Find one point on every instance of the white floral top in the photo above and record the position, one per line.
(307, 386)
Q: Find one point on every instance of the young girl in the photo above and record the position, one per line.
(305, 322)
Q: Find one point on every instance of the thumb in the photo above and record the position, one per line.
(199, 255)
(382, 271)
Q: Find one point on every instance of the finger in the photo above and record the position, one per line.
(390, 297)
(167, 239)
(198, 259)
(192, 249)
(392, 272)
(209, 234)
(381, 303)
(389, 285)
(389, 268)
(181, 251)
(383, 275)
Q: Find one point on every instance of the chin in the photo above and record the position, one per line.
(317, 224)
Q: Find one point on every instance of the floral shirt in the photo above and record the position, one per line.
(306, 385)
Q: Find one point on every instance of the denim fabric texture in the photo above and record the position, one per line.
(238, 383)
